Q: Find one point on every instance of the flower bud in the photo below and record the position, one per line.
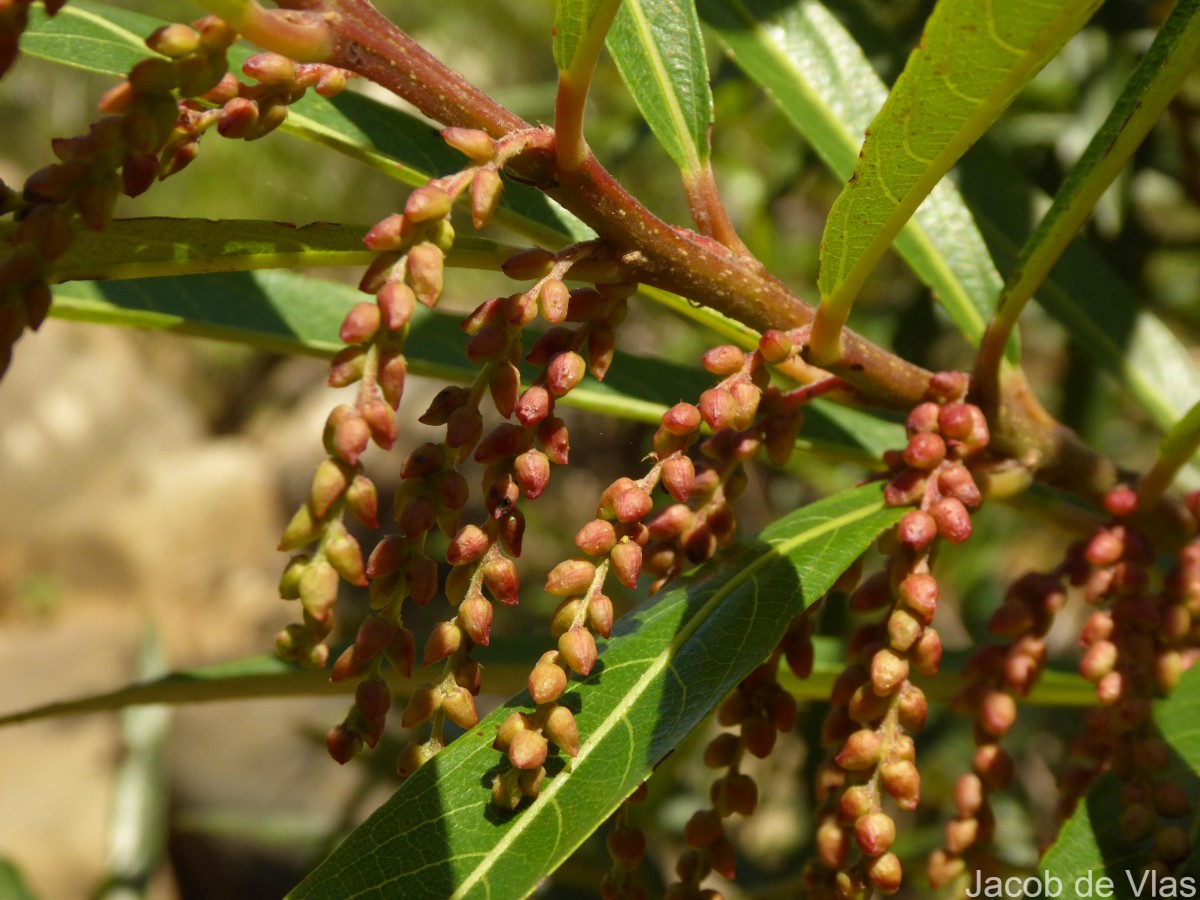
(903, 629)
(534, 406)
(758, 736)
(562, 729)
(961, 835)
(553, 438)
(957, 482)
(512, 532)
(475, 618)
(347, 367)
(885, 873)
(402, 651)
(345, 555)
(889, 670)
(601, 345)
(547, 681)
(626, 560)
(486, 189)
(138, 173)
(413, 756)
(600, 615)
(832, 844)
(528, 750)
(490, 342)
(444, 640)
(723, 858)
(318, 588)
(718, 408)
(343, 745)
(373, 698)
(919, 592)
(916, 530)
(532, 472)
(994, 766)
(459, 707)
(467, 546)
(905, 489)
(902, 780)
(627, 845)
(596, 538)
(997, 713)
(500, 577)
(866, 706)
(944, 868)
(678, 477)
(350, 436)
(397, 303)
(237, 117)
(875, 833)
(473, 143)
(682, 419)
(423, 703)
(426, 203)
(861, 750)
(564, 372)
(1100, 659)
(578, 649)
(504, 384)
(347, 665)
(775, 346)
(926, 654)
(703, 829)
(724, 360)
(573, 576)
(424, 265)
(632, 504)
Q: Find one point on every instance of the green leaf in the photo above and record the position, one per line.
(1090, 842)
(1104, 317)
(659, 52)
(12, 884)
(144, 248)
(109, 41)
(970, 64)
(811, 67)
(573, 20)
(667, 665)
(1157, 78)
(282, 312)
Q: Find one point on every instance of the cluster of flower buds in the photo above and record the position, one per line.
(997, 675)
(14, 19)
(1135, 646)
(874, 705)
(747, 414)
(119, 154)
(760, 709)
(627, 848)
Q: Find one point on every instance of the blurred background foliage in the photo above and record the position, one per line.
(248, 801)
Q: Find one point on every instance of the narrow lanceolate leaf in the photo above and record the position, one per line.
(1170, 59)
(667, 665)
(288, 313)
(659, 52)
(811, 67)
(575, 32)
(971, 63)
(1090, 846)
(109, 41)
(145, 248)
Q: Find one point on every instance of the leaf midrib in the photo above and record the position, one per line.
(777, 551)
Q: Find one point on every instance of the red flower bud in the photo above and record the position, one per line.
(444, 640)
(427, 202)
(525, 265)
(600, 615)
(957, 482)
(632, 504)
(578, 649)
(500, 577)
(953, 520)
(724, 360)
(475, 618)
(347, 367)
(486, 188)
(397, 303)
(423, 703)
(552, 437)
(424, 266)
(532, 472)
(925, 451)
(528, 750)
(923, 419)
(564, 372)
(875, 833)
(596, 538)
(626, 560)
(459, 707)
(916, 530)
(534, 406)
(926, 654)
(373, 698)
(601, 346)
(467, 546)
(504, 384)
(717, 408)
(562, 729)
(547, 682)
(861, 750)
(473, 143)
(775, 346)
(573, 576)
(343, 745)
